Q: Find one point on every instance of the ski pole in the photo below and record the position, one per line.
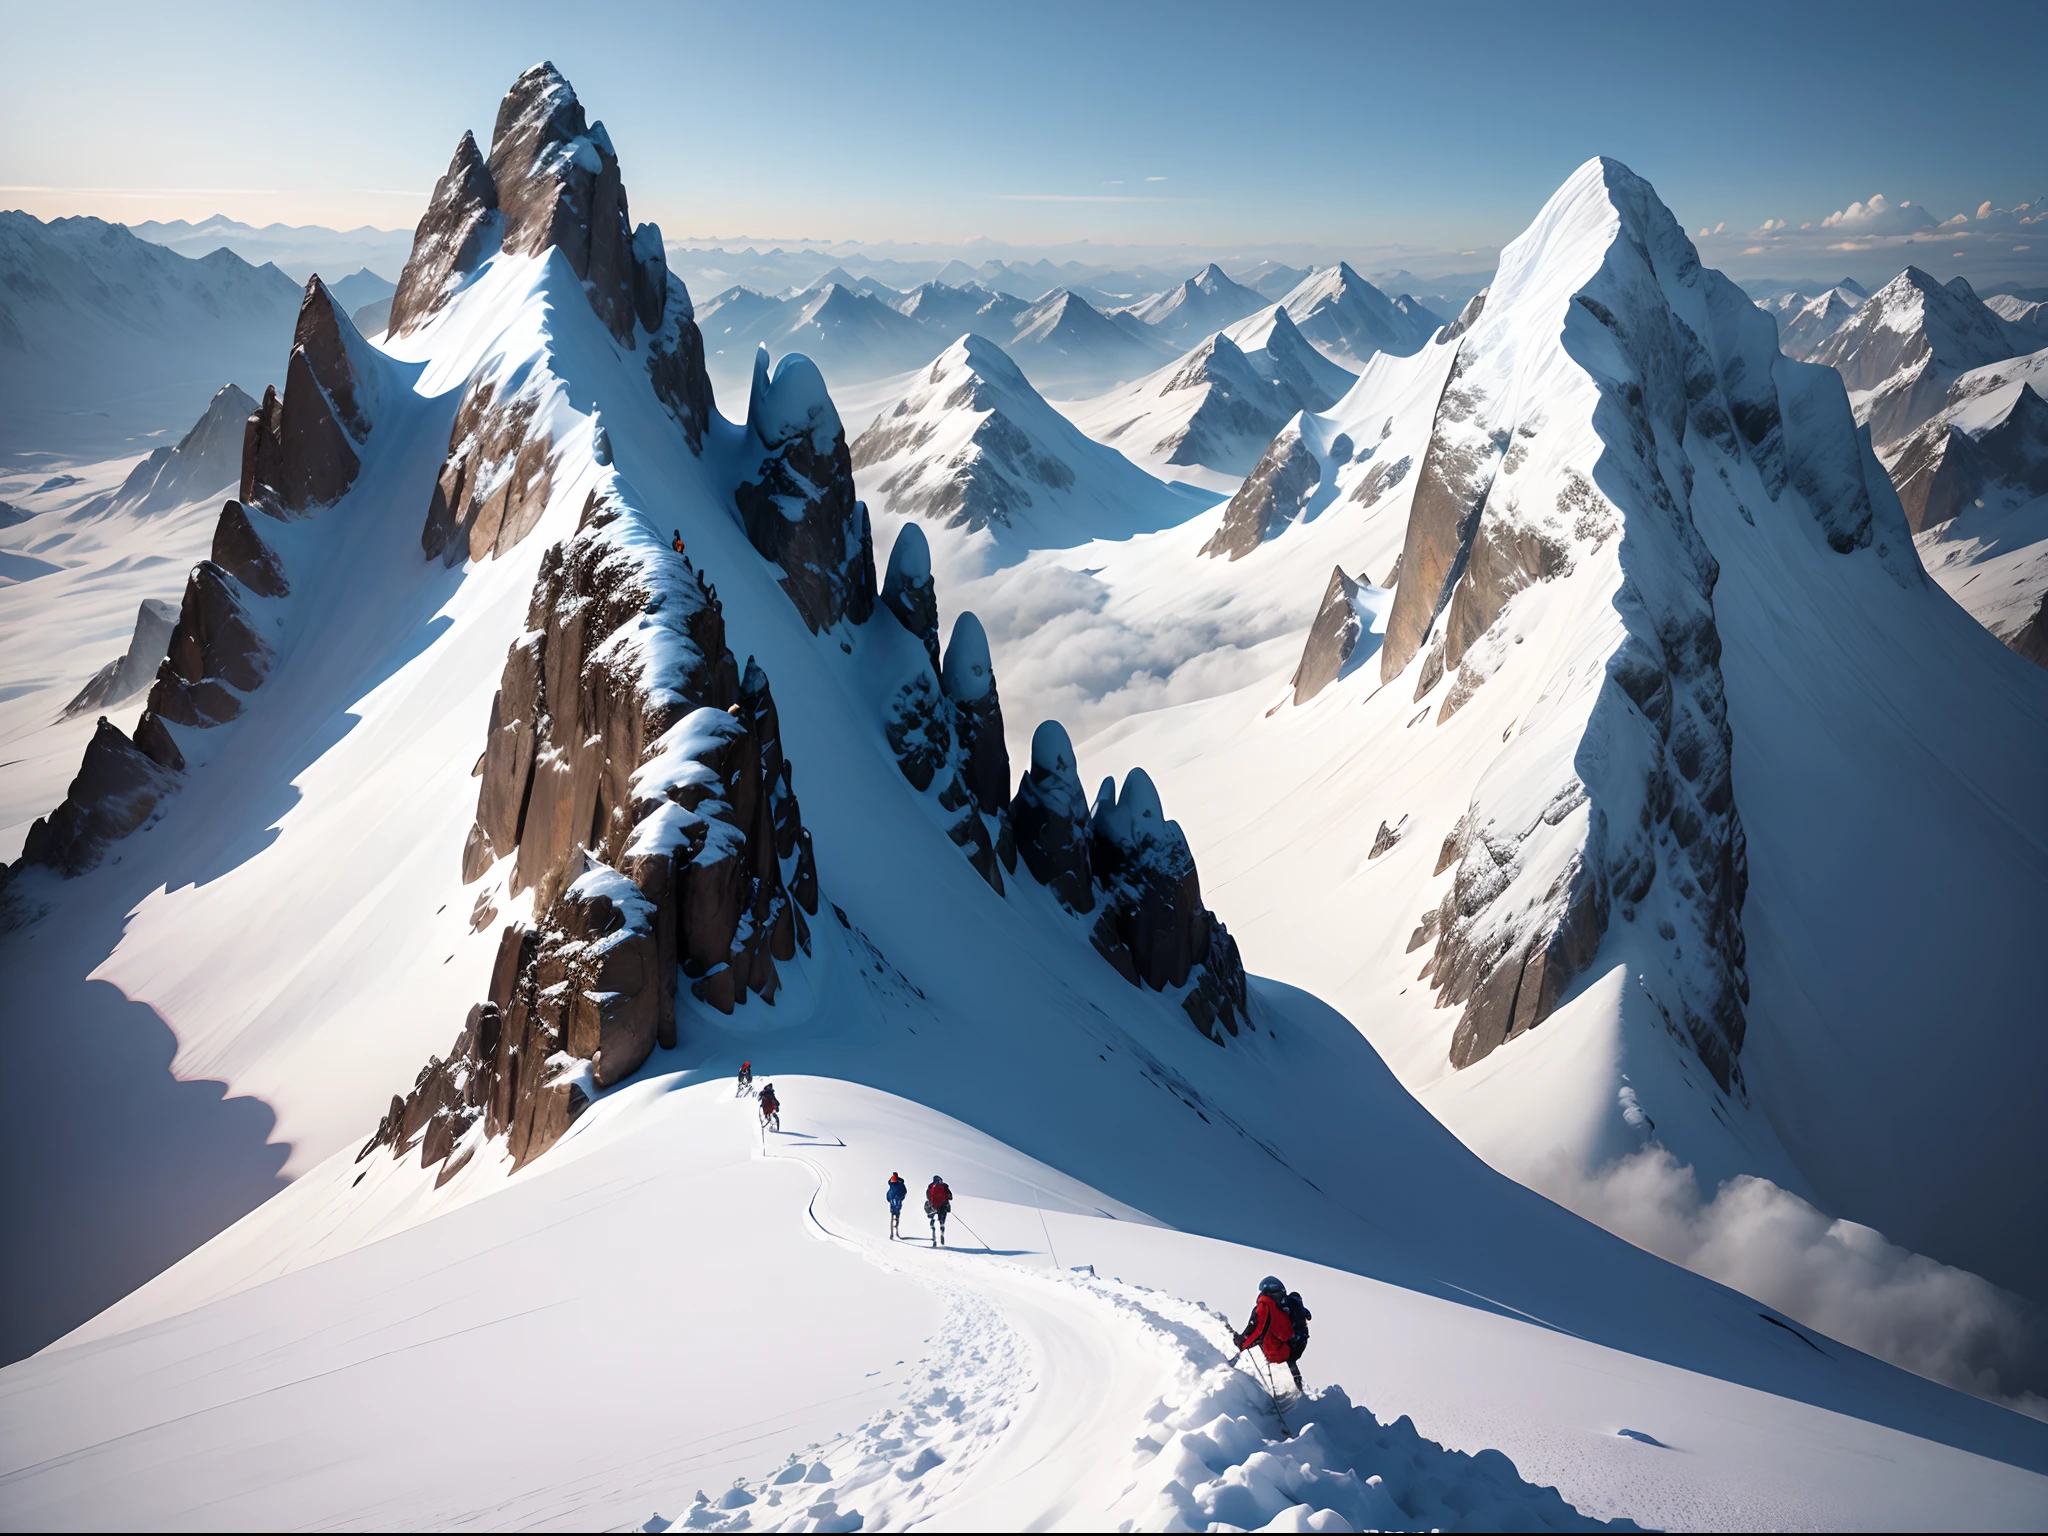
(976, 1236)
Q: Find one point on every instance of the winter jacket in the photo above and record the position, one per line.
(937, 1197)
(770, 1105)
(1270, 1328)
(898, 1190)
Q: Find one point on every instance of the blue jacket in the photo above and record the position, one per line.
(897, 1193)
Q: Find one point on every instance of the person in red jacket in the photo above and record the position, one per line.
(938, 1202)
(1271, 1328)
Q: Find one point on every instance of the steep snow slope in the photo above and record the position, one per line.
(536, 426)
(108, 340)
(1803, 330)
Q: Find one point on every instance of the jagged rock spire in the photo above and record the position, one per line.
(454, 236)
(1050, 814)
(969, 678)
(299, 449)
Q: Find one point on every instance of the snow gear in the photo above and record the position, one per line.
(746, 1077)
(898, 1192)
(1270, 1328)
(938, 1203)
(771, 1109)
(679, 541)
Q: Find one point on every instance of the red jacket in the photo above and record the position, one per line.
(937, 1196)
(769, 1105)
(1271, 1329)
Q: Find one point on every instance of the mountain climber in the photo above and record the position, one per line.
(746, 1078)
(898, 1193)
(938, 1202)
(1271, 1328)
(771, 1109)
(679, 541)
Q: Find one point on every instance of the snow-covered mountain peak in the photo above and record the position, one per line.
(973, 446)
(1349, 320)
(1907, 343)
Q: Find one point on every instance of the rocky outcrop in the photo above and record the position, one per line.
(798, 506)
(1050, 814)
(908, 591)
(1153, 927)
(551, 182)
(298, 454)
(130, 673)
(494, 483)
(633, 777)
(969, 679)
(1457, 469)
(453, 238)
(116, 791)
(945, 724)
(1331, 638)
(558, 186)
(2030, 640)
(1286, 478)
(1130, 867)
(240, 550)
(299, 449)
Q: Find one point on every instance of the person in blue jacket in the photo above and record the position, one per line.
(898, 1192)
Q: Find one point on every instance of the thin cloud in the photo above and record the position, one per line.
(1082, 197)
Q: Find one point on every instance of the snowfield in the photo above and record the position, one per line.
(673, 1318)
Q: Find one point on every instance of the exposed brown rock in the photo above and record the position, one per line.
(494, 483)
(239, 550)
(214, 637)
(1457, 470)
(1285, 478)
(558, 185)
(299, 449)
(452, 239)
(116, 790)
(1331, 638)
(2031, 638)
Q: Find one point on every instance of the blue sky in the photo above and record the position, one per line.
(1335, 126)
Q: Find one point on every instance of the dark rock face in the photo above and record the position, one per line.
(299, 449)
(798, 507)
(945, 725)
(1050, 814)
(240, 550)
(117, 789)
(1287, 476)
(1331, 638)
(1153, 927)
(453, 238)
(969, 679)
(131, 672)
(494, 484)
(636, 778)
(908, 591)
